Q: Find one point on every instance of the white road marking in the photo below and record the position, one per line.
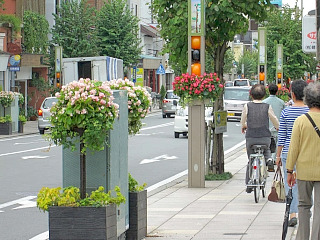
(15, 138)
(29, 150)
(158, 126)
(21, 201)
(41, 236)
(235, 147)
(157, 159)
(33, 157)
(148, 134)
(26, 143)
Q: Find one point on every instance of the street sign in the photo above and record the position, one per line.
(161, 70)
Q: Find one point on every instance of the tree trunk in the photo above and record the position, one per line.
(217, 146)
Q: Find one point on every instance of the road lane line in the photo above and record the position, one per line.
(15, 138)
(235, 147)
(29, 150)
(41, 236)
(18, 201)
(157, 126)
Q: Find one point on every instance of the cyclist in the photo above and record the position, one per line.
(255, 124)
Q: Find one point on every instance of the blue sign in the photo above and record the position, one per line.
(276, 2)
(134, 73)
(161, 70)
(14, 69)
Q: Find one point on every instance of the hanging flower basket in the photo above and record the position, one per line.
(206, 87)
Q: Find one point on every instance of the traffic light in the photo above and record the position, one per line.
(262, 75)
(58, 77)
(195, 55)
(279, 75)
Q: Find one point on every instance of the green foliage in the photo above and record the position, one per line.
(70, 197)
(12, 19)
(218, 177)
(22, 119)
(285, 27)
(163, 92)
(250, 61)
(75, 29)
(228, 61)
(134, 186)
(118, 32)
(36, 29)
(224, 19)
(5, 119)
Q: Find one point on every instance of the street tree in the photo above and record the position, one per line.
(118, 32)
(285, 27)
(75, 29)
(249, 60)
(224, 19)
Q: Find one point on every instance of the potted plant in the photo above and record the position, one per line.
(6, 98)
(137, 210)
(84, 114)
(192, 87)
(6, 125)
(139, 101)
(21, 122)
(93, 217)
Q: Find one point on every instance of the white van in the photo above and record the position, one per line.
(241, 83)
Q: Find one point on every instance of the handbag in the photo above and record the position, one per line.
(277, 193)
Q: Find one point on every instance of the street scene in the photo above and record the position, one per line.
(155, 119)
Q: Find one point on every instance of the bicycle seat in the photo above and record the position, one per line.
(258, 146)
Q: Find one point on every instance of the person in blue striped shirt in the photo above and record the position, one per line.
(287, 118)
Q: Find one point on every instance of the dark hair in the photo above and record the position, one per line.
(297, 88)
(312, 95)
(273, 89)
(258, 91)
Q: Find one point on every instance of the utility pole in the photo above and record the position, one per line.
(318, 29)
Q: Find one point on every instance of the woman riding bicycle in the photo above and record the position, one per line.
(255, 124)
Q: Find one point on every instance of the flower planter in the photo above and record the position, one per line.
(6, 128)
(83, 223)
(137, 215)
(20, 127)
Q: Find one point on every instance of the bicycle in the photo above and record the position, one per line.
(257, 171)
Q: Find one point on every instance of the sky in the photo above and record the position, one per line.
(307, 4)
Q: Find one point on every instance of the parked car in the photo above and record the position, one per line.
(181, 120)
(234, 100)
(241, 83)
(169, 104)
(44, 114)
(228, 84)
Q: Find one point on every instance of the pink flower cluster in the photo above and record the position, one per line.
(206, 86)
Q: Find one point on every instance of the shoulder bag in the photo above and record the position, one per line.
(277, 193)
(313, 124)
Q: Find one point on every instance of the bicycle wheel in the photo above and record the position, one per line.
(263, 189)
(256, 192)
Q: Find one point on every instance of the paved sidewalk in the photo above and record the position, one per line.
(221, 210)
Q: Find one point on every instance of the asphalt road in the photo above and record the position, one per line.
(27, 163)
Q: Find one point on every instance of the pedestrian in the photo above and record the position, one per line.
(304, 153)
(255, 124)
(287, 118)
(277, 105)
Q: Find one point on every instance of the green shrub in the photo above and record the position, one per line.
(134, 186)
(218, 177)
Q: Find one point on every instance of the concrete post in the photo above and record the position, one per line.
(196, 144)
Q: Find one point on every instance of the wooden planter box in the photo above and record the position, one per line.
(20, 127)
(6, 128)
(137, 215)
(83, 223)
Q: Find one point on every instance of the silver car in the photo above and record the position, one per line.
(169, 104)
(234, 100)
(44, 113)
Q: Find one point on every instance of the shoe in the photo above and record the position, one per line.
(249, 189)
(293, 221)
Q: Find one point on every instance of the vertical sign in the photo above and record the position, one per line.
(58, 66)
(309, 34)
(262, 58)
(279, 64)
